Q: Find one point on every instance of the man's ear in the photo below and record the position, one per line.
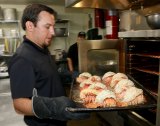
(29, 25)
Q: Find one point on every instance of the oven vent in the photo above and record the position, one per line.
(111, 4)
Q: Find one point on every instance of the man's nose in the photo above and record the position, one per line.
(53, 32)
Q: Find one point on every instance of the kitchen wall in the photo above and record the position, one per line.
(78, 21)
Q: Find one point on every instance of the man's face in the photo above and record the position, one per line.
(43, 32)
(81, 38)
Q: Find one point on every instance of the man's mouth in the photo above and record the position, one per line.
(49, 39)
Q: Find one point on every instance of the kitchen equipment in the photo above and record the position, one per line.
(61, 32)
(11, 45)
(14, 33)
(9, 14)
(99, 15)
(112, 23)
(143, 65)
(110, 4)
(1, 32)
(1, 14)
(1, 48)
(108, 65)
(90, 25)
(138, 58)
(92, 34)
(131, 20)
(153, 20)
(92, 53)
(125, 20)
(3, 69)
(58, 54)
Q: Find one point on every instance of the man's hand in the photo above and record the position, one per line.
(55, 108)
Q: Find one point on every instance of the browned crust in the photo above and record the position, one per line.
(138, 100)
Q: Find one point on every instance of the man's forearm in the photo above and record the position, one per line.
(23, 106)
(70, 65)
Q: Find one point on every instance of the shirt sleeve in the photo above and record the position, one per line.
(22, 79)
(69, 53)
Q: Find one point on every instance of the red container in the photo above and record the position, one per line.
(112, 23)
(99, 18)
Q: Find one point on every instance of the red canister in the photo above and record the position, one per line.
(99, 18)
(112, 22)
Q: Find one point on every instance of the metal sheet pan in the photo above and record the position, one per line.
(150, 103)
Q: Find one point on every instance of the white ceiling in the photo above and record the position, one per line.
(56, 2)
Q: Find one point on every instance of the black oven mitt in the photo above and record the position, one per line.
(55, 108)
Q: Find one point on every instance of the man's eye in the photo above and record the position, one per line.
(47, 27)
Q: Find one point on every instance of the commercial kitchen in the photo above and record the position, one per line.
(122, 36)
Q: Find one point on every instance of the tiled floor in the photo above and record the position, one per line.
(8, 117)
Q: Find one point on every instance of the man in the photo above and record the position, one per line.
(36, 88)
(72, 56)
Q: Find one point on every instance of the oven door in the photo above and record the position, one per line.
(143, 65)
(100, 56)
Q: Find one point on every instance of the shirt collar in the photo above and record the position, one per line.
(43, 50)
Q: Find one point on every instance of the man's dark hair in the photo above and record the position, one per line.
(82, 34)
(32, 11)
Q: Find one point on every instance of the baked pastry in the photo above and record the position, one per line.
(132, 96)
(113, 89)
(97, 86)
(83, 76)
(107, 77)
(88, 97)
(105, 98)
(122, 86)
(116, 78)
(85, 84)
(95, 78)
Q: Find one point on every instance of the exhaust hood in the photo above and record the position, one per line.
(111, 4)
(103, 4)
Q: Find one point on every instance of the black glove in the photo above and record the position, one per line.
(55, 108)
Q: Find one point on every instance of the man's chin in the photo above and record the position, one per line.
(48, 43)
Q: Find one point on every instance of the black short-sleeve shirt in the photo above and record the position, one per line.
(32, 67)
(73, 54)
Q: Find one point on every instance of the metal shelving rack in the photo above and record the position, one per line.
(10, 36)
(158, 101)
(63, 24)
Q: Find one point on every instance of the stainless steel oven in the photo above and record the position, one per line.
(99, 56)
(139, 58)
(142, 63)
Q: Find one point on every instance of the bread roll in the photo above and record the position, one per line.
(95, 78)
(87, 91)
(116, 78)
(106, 98)
(97, 86)
(82, 77)
(85, 74)
(85, 84)
(132, 96)
(107, 77)
(108, 74)
(123, 85)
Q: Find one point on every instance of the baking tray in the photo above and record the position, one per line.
(151, 101)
